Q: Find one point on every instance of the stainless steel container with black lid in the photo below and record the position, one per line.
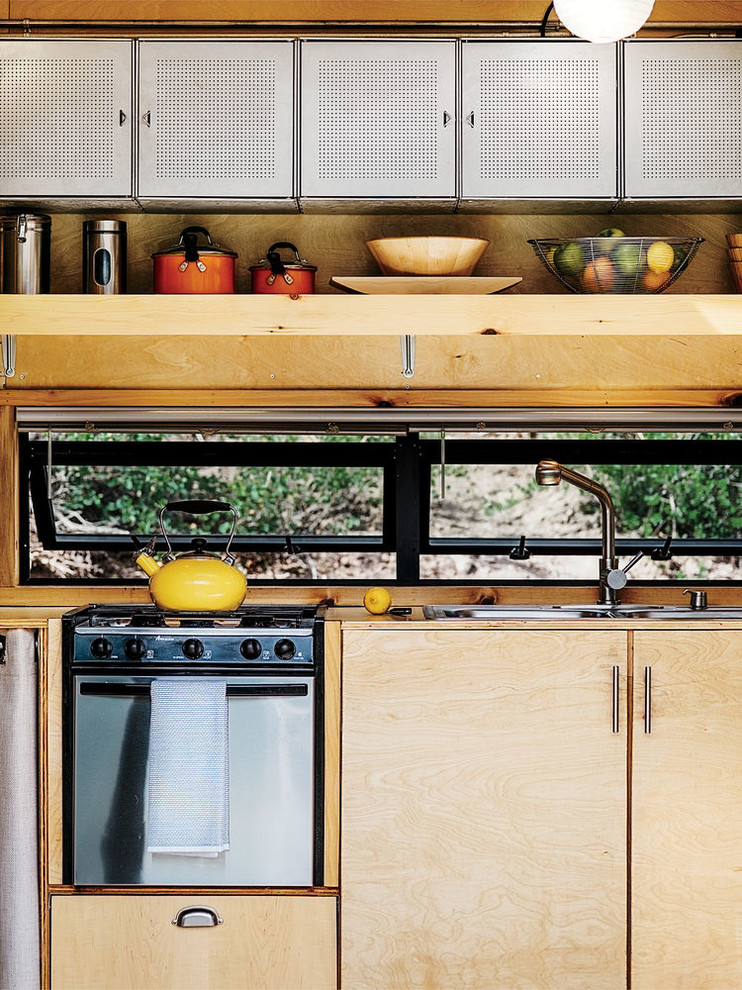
(25, 253)
(104, 256)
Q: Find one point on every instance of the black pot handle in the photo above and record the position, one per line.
(274, 259)
(189, 239)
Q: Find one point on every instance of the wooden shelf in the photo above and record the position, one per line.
(669, 315)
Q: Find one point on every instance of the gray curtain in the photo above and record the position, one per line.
(19, 851)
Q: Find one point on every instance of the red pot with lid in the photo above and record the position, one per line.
(192, 266)
(288, 278)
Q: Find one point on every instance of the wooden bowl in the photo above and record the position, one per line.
(736, 269)
(735, 254)
(427, 255)
(734, 240)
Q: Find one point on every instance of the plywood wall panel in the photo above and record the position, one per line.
(336, 243)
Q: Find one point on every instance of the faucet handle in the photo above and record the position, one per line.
(634, 560)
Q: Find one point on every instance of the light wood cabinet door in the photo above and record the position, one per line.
(128, 942)
(483, 810)
(687, 812)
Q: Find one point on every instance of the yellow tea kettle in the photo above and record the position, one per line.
(196, 581)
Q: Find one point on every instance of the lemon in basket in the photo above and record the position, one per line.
(660, 257)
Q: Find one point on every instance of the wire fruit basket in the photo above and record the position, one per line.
(616, 264)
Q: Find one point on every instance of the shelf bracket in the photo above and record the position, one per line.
(8, 344)
(408, 354)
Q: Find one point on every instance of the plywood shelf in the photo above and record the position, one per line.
(669, 315)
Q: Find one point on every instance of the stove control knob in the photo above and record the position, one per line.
(285, 649)
(193, 649)
(101, 648)
(251, 649)
(135, 648)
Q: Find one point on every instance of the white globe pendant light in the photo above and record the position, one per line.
(603, 21)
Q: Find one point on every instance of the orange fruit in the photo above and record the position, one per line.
(653, 281)
(599, 275)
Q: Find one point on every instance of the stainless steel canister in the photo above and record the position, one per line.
(104, 256)
(25, 253)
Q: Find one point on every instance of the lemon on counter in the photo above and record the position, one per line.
(377, 601)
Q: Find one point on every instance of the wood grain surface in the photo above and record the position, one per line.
(483, 810)
(52, 765)
(265, 943)
(332, 752)
(9, 570)
(687, 826)
(342, 10)
(337, 371)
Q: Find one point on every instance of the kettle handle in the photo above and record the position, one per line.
(197, 507)
(195, 230)
(290, 246)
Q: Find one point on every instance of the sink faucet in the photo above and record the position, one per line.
(612, 577)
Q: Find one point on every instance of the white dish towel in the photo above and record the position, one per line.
(188, 772)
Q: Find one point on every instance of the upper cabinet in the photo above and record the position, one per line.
(65, 119)
(378, 120)
(539, 120)
(359, 125)
(216, 120)
(683, 119)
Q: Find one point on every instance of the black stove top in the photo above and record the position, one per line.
(145, 617)
(144, 634)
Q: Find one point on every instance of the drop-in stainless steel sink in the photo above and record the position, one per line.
(530, 612)
(524, 612)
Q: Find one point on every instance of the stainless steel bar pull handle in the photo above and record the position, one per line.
(197, 916)
(615, 714)
(647, 700)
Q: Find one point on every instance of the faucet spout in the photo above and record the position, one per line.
(612, 578)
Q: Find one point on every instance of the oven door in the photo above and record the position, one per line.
(273, 807)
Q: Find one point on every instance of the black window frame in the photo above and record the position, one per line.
(407, 465)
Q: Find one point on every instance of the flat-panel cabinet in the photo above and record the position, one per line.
(686, 876)
(483, 814)
(539, 120)
(378, 119)
(65, 119)
(683, 119)
(216, 119)
(193, 942)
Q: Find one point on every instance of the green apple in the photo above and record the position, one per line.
(627, 258)
(604, 238)
(569, 258)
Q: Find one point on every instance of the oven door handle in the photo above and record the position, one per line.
(119, 690)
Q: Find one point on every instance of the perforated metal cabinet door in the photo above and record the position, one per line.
(216, 118)
(683, 118)
(65, 118)
(378, 119)
(539, 119)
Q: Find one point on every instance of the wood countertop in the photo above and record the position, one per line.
(320, 315)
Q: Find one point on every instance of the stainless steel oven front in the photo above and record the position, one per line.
(177, 725)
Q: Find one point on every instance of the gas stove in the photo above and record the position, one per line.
(144, 634)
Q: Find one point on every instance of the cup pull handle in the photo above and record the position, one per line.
(615, 709)
(647, 700)
(197, 916)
